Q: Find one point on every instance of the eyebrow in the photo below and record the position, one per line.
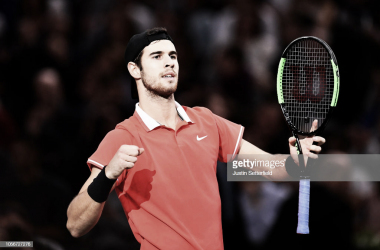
(160, 52)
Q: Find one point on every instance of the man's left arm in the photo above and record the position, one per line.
(252, 152)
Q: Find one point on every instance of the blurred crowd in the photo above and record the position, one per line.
(64, 85)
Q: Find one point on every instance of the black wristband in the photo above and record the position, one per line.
(100, 187)
(292, 168)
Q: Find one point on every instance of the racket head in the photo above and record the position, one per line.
(307, 84)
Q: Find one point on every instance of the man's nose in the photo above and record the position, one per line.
(169, 62)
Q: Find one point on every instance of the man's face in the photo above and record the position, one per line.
(160, 68)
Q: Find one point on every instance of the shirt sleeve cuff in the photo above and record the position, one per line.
(95, 164)
(238, 142)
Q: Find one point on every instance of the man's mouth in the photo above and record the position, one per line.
(169, 75)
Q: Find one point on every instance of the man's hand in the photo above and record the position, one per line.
(307, 145)
(124, 158)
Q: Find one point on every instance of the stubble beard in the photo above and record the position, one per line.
(158, 91)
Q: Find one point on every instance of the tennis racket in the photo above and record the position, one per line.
(307, 90)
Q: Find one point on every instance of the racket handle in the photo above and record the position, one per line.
(304, 200)
(303, 207)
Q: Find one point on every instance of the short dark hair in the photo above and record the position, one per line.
(148, 32)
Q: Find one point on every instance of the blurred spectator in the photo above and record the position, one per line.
(13, 227)
(43, 198)
(233, 81)
(268, 129)
(49, 99)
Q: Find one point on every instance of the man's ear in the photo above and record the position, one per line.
(134, 70)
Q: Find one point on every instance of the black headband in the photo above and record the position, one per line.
(136, 45)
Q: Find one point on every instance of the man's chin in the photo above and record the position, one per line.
(164, 93)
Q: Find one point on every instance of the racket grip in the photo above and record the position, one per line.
(303, 207)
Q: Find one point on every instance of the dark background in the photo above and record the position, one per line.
(64, 85)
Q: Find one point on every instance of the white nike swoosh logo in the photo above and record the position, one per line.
(198, 139)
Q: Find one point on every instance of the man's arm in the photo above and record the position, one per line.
(279, 173)
(84, 212)
(252, 152)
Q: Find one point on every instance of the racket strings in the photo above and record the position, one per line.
(307, 83)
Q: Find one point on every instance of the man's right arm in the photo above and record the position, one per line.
(84, 212)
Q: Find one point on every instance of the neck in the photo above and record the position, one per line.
(160, 109)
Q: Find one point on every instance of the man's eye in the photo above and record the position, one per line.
(156, 57)
(174, 57)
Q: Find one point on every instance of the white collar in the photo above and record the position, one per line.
(152, 124)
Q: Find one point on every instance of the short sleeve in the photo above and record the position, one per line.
(108, 147)
(230, 136)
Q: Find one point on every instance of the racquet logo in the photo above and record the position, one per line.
(309, 79)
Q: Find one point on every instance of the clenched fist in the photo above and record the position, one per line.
(124, 158)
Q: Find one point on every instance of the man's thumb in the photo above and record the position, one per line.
(141, 150)
(292, 141)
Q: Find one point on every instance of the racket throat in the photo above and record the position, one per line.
(303, 170)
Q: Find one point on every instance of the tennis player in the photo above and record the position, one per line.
(162, 160)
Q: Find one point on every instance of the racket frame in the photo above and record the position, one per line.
(334, 101)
